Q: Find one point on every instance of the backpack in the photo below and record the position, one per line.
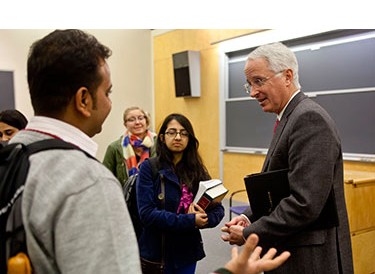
(130, 195)
(14, 166)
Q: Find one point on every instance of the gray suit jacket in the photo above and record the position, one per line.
(307, 143)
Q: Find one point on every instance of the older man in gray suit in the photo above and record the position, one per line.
(306, 142)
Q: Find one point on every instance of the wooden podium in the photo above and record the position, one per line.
(360, 201)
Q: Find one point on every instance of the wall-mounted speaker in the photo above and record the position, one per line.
(187, 73)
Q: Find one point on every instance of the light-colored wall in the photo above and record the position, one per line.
(130, 64)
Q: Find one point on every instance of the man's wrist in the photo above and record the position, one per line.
(246, 219)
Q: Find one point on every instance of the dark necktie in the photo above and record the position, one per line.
(275, 126)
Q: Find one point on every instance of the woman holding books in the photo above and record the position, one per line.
(172, 222)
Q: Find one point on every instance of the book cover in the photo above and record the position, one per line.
(204, 186)
(265, 190)
(209, 193)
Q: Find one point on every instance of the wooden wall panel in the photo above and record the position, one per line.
(364, 252)
(360, 201)
(203, 112)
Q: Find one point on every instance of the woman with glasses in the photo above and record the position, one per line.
(11, 121)
(124, 155)
(171, 221)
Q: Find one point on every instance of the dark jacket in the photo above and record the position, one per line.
(3, 144)
(183, 241)
(307, 143)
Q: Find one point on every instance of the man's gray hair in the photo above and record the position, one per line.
(279, 58)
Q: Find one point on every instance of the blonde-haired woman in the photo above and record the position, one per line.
(124, 155)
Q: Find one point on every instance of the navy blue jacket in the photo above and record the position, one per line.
(183, 240)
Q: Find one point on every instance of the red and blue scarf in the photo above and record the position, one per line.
(131, 141)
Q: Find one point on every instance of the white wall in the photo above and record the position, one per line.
(130, 64)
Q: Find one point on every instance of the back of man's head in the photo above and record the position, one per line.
(58, 65)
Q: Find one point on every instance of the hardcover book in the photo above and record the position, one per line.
(210, 193)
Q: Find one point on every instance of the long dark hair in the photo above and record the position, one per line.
(190, 169)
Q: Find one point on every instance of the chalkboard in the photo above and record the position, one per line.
(354, 114)
(340, 77)
(6, 90)
(249, 126)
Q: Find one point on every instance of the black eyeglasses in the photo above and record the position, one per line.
(258, 82)
(172, 133)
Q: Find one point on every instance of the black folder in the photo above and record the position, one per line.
(265, 190)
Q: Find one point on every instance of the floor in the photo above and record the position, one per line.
(217, 251)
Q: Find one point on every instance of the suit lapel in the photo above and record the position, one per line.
(280, 128)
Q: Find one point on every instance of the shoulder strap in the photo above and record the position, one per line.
(52, 144)
(15, 157)
(155, 166)
(17, 170)
(49, 144)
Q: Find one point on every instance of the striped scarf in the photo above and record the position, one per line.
(129, 141)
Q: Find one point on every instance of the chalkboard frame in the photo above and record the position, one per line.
(235, 133)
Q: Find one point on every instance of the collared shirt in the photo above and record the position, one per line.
(64, 131)
(280, 115)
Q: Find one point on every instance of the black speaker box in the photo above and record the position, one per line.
(186, 68)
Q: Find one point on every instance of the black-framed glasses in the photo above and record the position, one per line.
(172, 133)
(258, 82)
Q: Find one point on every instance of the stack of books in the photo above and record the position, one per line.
(210, 193)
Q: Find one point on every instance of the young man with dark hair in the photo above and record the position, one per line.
(74, 213)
